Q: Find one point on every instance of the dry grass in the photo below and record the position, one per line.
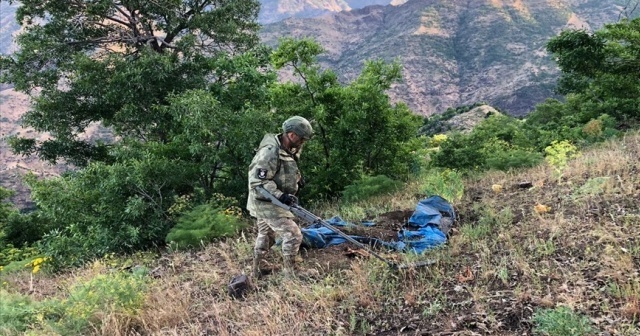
(504, 261)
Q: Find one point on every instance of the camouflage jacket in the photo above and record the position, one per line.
(276, 170)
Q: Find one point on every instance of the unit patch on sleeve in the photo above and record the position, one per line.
(262, 173)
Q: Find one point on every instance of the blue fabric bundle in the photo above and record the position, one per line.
(420, 234)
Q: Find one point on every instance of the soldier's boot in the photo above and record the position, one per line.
(255, 270)
(292, 271)
(289, 268)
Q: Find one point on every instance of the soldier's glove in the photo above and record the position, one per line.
(288, 199)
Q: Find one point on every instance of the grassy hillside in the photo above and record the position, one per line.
(560, 257)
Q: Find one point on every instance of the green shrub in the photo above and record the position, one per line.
(499, 142)
(203, 224)
(561, 321)
(5, 208)
(599, 129)
(17, 312)
(459, 152)
(121, 293)
(24, 229)
(10, 254)
(445, 183)
(370, 186)
(110, 208)
(512, 158)
(559, 153)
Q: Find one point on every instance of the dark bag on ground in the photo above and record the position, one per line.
(238, 286)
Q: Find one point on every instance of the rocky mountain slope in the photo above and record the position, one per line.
(455, 52)
(8, 26)
(277, 10)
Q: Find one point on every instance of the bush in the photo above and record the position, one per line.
(599, 129)
(204, 224)
(561, 321)
(446, 183)
(24, 229)
(87, 302)
(499, 142)
(370, 186)
(5, 208)
(121, 293)
(459, 152)
(110, 208)
(17, 312)
(512, 158)
(559, 153)
(10, 253)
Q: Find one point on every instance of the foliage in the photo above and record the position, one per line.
(37, 263)
(182, 86)
(219, 153)
(370, 186)
(574, 120)
(592, 187)
(559, 152)
(19, 230)
(17, 312)
(5, 208)
(24, 229)
(561, 321)
(509, 158)
(10, 253)
(119, 292)
(116, 62)
(459, 152)
(601, 68)
(206, 223)
(445, 183)
(358, 131)
(498, 142)
(437, 139)
(111, 208)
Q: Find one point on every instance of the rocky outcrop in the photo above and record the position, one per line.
(465, 122)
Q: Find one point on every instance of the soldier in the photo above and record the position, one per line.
(275, 167)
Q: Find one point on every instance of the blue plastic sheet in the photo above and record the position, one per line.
(420, 234)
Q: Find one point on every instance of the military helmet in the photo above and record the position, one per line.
(299, 126)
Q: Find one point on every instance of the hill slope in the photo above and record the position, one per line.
(565, 250)
(455, 52)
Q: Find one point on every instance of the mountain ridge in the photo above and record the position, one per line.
(453, 53)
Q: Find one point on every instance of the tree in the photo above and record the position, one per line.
(5, 207)
(602, 68)
(359, 132)
(116, 62)
(182, 84)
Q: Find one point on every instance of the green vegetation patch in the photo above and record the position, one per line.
(370, 186)
(561, 321)
(204, 224)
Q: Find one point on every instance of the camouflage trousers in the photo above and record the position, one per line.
(285, 228)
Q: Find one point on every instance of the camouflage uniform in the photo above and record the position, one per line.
(275, 169)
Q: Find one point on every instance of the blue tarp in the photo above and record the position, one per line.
(420, 233)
